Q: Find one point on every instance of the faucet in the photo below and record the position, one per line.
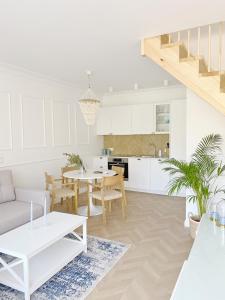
(154, 146)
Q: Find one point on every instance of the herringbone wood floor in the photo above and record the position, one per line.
(159, 245)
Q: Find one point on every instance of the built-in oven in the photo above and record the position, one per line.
(119, 162)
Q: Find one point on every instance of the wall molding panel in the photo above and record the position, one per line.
(6, 141)
(61, 123)
(37, 125)
(33, 122)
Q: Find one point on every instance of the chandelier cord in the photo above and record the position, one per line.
(89, 81)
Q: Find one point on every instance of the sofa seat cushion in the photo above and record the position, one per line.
(17, 213)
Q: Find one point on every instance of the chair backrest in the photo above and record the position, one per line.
(67, 169)
(118, 170)
(49, 181)
(112, 181)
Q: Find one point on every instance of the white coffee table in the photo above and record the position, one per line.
(41, 250)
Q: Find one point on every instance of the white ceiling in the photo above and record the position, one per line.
(63, 38)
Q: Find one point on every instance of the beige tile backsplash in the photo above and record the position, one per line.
(136, 144)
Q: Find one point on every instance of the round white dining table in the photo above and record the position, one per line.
(90, 176)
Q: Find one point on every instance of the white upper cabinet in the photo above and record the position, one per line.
(121, 120)
(104, 126)
(143, 119)
(114, 120)
(134, 119)
(162, 118)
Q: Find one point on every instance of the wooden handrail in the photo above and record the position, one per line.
(220, 35)
(209, 47)
(199, 38)
(188, 42)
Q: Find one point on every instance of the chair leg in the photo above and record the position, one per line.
(125, 199)
(88, 203)
(52, 203)
(103, 212)
(75, 203)
(110, 207)
(67, 204)
(123, 207)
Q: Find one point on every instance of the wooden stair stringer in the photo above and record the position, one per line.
(207, 87)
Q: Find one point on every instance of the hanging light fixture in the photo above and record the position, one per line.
(89, 103)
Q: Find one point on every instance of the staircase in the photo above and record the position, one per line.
(198, 67)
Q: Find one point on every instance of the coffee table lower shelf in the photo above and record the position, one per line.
(43, 265)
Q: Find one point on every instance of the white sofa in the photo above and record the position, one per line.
(15, 203)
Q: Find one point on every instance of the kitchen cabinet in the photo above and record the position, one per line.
(121, 120)
(134, 119)
(104, 126)
(143, 119)
(162, 118)
(158, 178)
(114, 120)
(139, 173)
(100, 163)
(145, 174)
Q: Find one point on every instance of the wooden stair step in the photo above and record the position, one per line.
(212, 73)
(187, 59)
(170, 45)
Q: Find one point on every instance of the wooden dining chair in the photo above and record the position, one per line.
(78, 184)
(109, 189)
(120, 171)
(60, 191)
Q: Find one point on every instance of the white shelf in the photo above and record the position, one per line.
(45, 264)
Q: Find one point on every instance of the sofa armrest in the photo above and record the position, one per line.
(37, 196)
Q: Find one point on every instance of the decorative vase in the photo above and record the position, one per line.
(220, 213)
(211, 209)
(194, 223)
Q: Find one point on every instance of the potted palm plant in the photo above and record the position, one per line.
(199, 175)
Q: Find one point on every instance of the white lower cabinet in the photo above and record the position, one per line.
(100, 163)
(159, 179)
(139, 173)
(146, 174)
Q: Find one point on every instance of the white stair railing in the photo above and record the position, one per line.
(204, 41)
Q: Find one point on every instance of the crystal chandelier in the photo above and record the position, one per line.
(89, 103)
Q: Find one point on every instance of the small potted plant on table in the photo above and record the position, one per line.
(199, 175)
(74, 160)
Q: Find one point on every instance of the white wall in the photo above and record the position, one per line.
(152, 95)
(39, 120)
(202, 119)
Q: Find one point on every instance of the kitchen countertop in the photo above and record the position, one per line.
(130, 156)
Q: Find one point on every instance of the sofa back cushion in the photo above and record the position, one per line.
(7, 192)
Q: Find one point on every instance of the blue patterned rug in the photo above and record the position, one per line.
(79, 277)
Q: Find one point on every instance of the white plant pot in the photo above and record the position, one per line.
(194, 223)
